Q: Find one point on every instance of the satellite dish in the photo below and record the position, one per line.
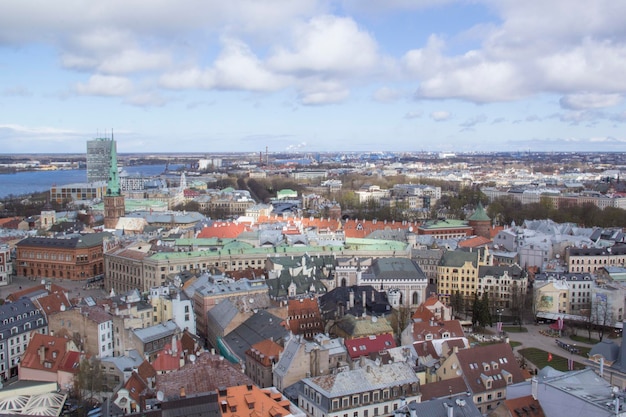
(459, 372)
(192, 358)
(160, 396)
(410, 228)
(251, 300)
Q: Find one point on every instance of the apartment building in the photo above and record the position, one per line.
(590, 260)
(19, 320)
(375, 389)
(458, 271)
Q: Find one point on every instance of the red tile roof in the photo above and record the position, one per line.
(443, 388)
(363, 346)
(53, 303)
(168, 360)
(436, 329)
(45, 353)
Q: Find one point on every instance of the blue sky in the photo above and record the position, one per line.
(313, 75)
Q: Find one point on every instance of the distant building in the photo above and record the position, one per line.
(6, 266)
(114, 207)
(99, 159)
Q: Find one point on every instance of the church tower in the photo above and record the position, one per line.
(114, 207)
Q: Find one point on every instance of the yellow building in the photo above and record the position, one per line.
(458, 271)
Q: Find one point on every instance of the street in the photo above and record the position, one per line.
(76, 289)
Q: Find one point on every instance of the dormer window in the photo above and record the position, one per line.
(485, 366)
(445, 335)
(429, 336)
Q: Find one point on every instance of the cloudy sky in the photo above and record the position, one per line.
(313, 75)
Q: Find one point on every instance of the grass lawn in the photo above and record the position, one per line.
(515, 329)
(515, 344)
(584, 339)
(539, 358)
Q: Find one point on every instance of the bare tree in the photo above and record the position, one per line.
(601, 314)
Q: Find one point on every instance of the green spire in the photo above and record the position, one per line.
(480, 214)
(113, 188)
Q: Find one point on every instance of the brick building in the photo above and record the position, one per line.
(75, 258)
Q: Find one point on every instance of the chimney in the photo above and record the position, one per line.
(351, 303)
(364, 298)
(42, 354)
(182, 392)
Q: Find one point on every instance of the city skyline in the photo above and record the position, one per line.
(313, 75)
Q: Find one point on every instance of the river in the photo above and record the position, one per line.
(29, 182)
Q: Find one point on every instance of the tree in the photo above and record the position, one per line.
(485, 313)
(601, 315)
(90, 380)
(457, 303)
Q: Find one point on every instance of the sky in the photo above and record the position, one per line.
(313, 75)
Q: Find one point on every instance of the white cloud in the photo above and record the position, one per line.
(105, 85)
(236, 68)
(559, 46)
(146, 100)
(440, 116)
(590, 101)
(327, 44)
(323, 93)
(387, 95)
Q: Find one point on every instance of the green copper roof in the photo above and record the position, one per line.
(480, 215)
(113, 187)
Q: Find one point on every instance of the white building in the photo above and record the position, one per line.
(171, 304)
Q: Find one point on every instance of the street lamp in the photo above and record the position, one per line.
(499, 326)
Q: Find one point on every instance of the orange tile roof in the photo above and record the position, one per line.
(423, 314)
(223, 230)
(264, 351)
(9, 221)
(432, 300)
(474, 242)
(252, 401)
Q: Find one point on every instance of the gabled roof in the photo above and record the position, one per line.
(493, 362)
(53, 303)
(426, 330)
(45, 353)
